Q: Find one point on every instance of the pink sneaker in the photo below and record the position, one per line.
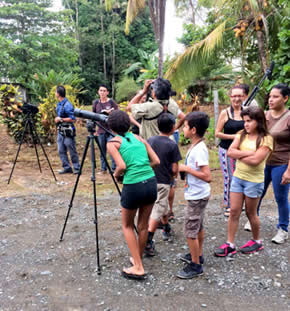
(225, 250)
(251, 247)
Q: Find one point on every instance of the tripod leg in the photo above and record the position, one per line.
(93, 179)
(75, 187)
(43, 150)
(18, 150)
(34, 143)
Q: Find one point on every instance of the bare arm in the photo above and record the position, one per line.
(133, 121)
(113, 150)
(260, 154)
(174, 169)
(153, 157)
(180, 122)
(137, 98)
(234, 151)
(286, 176)
(204, 173)
(220, 126)
(68, 120)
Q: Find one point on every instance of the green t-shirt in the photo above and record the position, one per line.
(135, 156)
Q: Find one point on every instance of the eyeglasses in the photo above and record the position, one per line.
(236, 96)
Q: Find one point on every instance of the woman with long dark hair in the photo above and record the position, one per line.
(277, 167)
(229, 123)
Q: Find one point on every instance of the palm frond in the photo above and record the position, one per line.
(214, 38)
(132, 68)
(108, 5)
(187, 65)
(133, 8)
(254, 5)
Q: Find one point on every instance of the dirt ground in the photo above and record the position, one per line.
(38, 272)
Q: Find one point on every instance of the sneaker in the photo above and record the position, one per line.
(225, 250)
(65, 171)
(187, 258)
(248, 227)
(149, 250)
(280, 237)
(76, 172)
(190, 271)
(251, 247)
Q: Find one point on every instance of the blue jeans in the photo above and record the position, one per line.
(176, 136)
(65, 144)
(274, 174)
(103, 139)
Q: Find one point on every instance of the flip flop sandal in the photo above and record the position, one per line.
(132, 276)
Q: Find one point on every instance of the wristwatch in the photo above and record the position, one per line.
(61, 120)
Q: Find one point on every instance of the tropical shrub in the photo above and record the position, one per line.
(11, 114)
(47, 109)
(41, 83)
(126, 89)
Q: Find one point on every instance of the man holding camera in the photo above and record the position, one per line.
(105, 106)
(149, 111)
(66, 133)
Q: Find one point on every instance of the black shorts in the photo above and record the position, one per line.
(142, 193)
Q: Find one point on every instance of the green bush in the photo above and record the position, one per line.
(210, 134)
(182, 140)
(126, 89)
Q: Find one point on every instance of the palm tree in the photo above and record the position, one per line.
(246, 18)
(157, 15)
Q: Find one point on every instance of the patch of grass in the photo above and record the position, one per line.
(213, 156)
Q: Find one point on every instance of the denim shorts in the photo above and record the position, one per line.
(248, 188)
(142, 193)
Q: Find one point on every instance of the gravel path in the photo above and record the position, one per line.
(41, 273)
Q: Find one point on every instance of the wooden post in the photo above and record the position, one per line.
(216, 110)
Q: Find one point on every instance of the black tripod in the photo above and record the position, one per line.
(35, 139)
(91, 138)
(268, 74)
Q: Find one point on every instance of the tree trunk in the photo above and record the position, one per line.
(104, 49)
(113, 65)
(157, 15)
(103, 46)
(192, 12)
(78, 33)
(262, 50)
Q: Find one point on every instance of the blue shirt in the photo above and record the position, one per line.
(65, 109)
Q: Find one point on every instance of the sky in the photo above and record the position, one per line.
(173, 27)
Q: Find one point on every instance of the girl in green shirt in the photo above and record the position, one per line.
(134, 158)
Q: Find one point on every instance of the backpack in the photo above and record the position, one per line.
(165, 110)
